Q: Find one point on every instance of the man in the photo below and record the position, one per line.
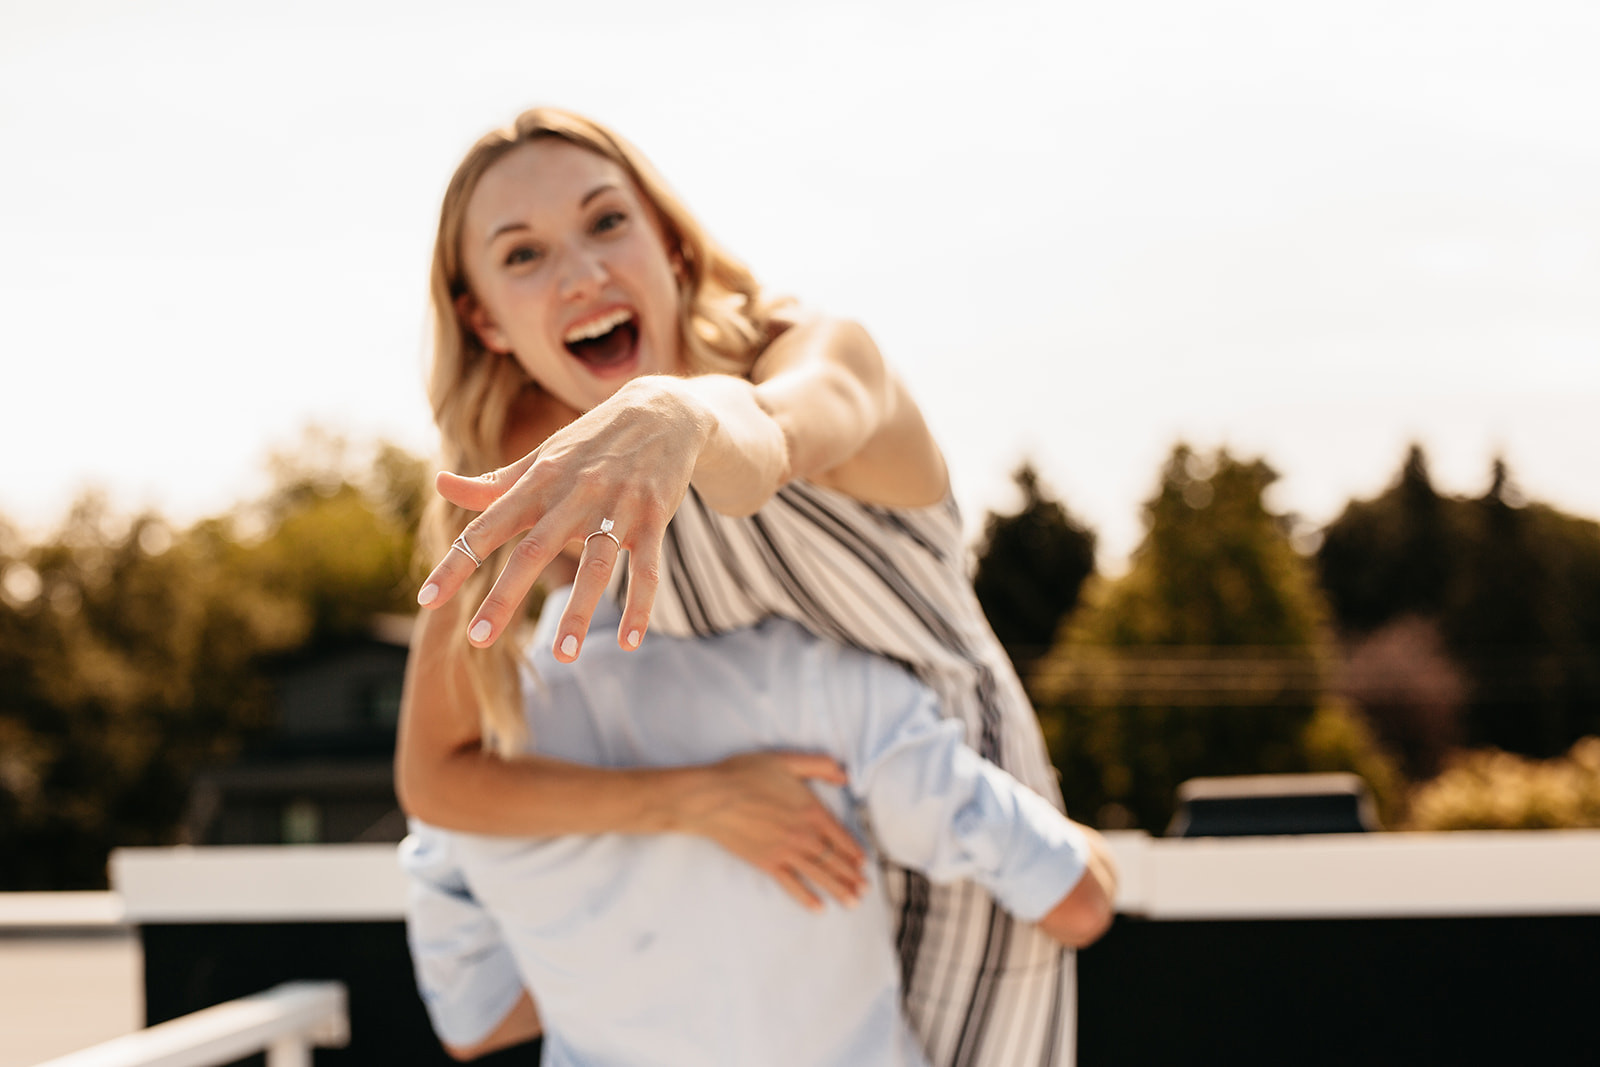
(668, 950)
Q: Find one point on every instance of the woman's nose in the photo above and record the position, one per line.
(583, 274)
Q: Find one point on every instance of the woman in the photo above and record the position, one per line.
(750, 466)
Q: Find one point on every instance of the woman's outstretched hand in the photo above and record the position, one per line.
(758, 807)
(630, 460)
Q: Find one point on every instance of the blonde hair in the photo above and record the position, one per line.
(724, 321)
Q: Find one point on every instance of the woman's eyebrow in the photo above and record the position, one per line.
(596, 191)
(509, 227)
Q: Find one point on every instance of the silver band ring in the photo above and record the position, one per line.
(604, 531)
(460, 545)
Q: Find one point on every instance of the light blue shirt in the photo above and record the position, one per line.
(667, 950)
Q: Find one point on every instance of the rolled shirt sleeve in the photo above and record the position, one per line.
(466, 976)
(937, 806)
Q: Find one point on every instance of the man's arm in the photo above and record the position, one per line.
(465, 974)
(520, 1024)
(937, 806)
(1084, 914)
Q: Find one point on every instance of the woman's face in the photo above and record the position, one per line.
(569, 273)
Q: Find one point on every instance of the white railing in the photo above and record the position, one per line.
(60, 911)
(286, 1022)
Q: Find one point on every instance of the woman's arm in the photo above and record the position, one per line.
(820, 404)
(847, 420)
(756, 806)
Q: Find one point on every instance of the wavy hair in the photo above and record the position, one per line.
(724, 321)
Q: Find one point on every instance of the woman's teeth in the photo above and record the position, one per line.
(597, 327)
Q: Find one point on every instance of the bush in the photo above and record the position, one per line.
(1488, 789)
(1338, 739)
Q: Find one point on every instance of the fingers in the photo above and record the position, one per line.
(829, 855)
(449, 576)
(832, 837)
(487, 532)
(478, 493)
(836, 847)
(644, 575)
(528, 560)
(811, 765)
(824, 870)
(842, 844)
(797, 889)
(599, 560)
(833, 873)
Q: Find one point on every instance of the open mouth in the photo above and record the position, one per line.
(609, 341)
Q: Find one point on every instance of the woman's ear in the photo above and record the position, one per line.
(478, 320)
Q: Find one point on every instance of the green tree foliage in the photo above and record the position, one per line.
(1383, 559)
(1031, 568)
(1206, 658)
(132, 653)
(1513, 588)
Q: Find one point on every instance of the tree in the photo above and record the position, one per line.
(133, 654)
(1410, 691)
(1206, 658)
(1031, 568)
(1512, 586)
(1389, 557)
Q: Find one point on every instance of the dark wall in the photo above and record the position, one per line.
(1372, 991)
(1516, 990)
(189, 967)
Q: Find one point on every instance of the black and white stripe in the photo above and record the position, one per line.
(981, 989)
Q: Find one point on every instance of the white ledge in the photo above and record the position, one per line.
(1316, 876)
(269, 883)
(1377, 875)
(60, 911)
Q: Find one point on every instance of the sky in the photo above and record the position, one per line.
(1311, 233)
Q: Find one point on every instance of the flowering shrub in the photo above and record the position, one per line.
(1488, 789)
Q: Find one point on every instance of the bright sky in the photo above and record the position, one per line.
(1081, 232)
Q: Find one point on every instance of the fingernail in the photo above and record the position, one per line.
(480, 630)
(428, 594)
(569, 645)
(633, 638)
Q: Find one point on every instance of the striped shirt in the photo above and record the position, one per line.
(981, 988)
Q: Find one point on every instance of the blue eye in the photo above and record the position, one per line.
(521, 254)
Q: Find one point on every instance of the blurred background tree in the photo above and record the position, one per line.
(1208, 657)
(1452, 642)
(1409, 690)
(133, 653)
(1030, 570)
(1512, 591)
